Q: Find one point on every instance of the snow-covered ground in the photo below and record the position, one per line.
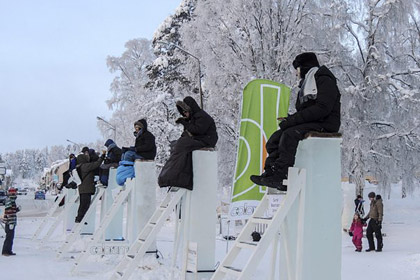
(400, 259)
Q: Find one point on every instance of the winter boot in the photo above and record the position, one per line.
(274, 181)
(370, 250)
(257, 179)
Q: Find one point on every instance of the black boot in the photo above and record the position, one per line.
(257, 179)
(275, 181)
(370, 250)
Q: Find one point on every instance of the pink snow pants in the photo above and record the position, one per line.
(357, 240)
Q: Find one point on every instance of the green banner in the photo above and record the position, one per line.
(263, 102)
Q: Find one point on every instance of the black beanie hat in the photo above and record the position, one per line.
(306, 60)
(371, 195)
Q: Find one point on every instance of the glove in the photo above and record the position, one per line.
(379, 223)
(180, 121)
(283, 124)
(350, 233)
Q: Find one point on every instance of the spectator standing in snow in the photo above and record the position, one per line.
(199, 132)
(86, 170)
(317, 109)
(10, 221)
(359, 205)
(375, 215)
(356, 231)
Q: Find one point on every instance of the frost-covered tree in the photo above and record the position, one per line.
(169, 71)
(381, 136)
(132, 100)
(239, 41)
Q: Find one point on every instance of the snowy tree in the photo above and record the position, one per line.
(381, 127)
(132, 100)
(168, 71)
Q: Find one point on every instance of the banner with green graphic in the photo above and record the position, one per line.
(263, 102)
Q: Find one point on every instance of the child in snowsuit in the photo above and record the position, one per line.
(356, 230)
(10, 220)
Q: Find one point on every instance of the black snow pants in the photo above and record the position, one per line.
(85, 199)
(282, 146)
(373, 227)
(177, 171)
(8, 242)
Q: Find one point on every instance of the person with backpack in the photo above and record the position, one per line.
(375, 215)
(10, 221)
(86, 170)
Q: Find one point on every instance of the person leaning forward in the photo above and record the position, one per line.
(317, 109)
(199, 132)
(87, 171)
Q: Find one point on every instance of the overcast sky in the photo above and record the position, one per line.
(53, 75)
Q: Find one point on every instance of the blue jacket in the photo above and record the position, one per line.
(125, 170)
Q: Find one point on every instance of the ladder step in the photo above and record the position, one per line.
(231, 270)
(247, 244)
(261, 220)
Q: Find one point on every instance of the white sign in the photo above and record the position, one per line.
(274, 201)
(2, 170)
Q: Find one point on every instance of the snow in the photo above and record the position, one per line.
(400, 258)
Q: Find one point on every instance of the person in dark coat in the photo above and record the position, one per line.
(376, 213)
(199, 132)
(112, 159)
(113, 154)
(317, 109)
(145, 145)
(86, 170)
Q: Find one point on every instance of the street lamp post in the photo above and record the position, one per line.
(73, 143)
(199, 67)
(111, 127)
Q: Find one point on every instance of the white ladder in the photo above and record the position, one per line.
(98, 236)
(75, 232)
(270, 235)
(59, 219)
(48, 216)
(140, 246)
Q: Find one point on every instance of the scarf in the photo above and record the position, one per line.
(308, 89)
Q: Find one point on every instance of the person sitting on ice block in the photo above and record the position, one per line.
(145, 145)
(199, 132)
(145, 148)
(317, 109)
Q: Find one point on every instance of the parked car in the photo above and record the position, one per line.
(39, 195)
(22, 192)
(3, 197)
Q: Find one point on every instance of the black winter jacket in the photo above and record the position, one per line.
(200, 125)
(145, 143)
(325, 109)
(87, 173)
